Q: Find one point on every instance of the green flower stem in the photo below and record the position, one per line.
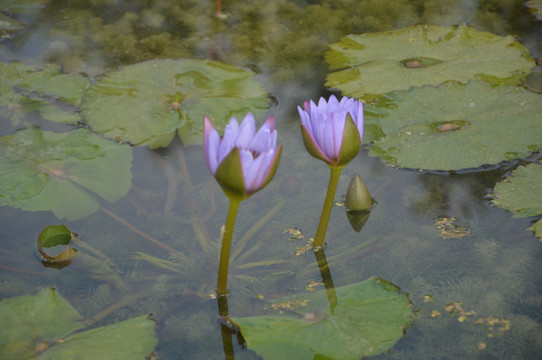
(328, 205)
(222, 285)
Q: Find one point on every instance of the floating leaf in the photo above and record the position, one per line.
(536, 8)
(22, 6)
(537, 228)
(25, 89)
(455, 126)
(64, 173)
(42, 324)
(54, 235)
(7, 24)
(369, 318)
(377, 63)
(521, 193)
(146, 103)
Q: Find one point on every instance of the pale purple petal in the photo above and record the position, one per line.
(256, 149)
(325, 122)
(212, 151)
(265, 138)
(211, 142)
(246, 132)
(228, 140)
(254, 171)
(305, 117)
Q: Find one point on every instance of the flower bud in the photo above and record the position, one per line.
(357, 196)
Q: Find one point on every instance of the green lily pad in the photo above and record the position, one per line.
(22, 6)
(146, 103)
(369, 318)
(454, 126)
(536, 8)
(43, 325)
(521, 193)
(53, 236)
(537, 228)
(377, 63)
(25, 89)
(64, 173)
(8, 24)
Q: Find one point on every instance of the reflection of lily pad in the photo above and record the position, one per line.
(62, 172)
(521, 193)
(455, 126)
(25, 89)
(377, 63)
(146, 103)
(369, 318)
(42, 324)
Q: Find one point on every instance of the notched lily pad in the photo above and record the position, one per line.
(64, 173)
(369, 318)
(454, 126)
(26, 89)
(377, 63)
(521, 193)
(43, 325)
(146, 103)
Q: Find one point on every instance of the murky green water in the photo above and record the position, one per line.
(471, 271)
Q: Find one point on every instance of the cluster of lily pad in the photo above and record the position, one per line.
(445, 99)
(142, 104)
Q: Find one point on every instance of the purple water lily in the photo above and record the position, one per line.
(328, 132)
(244, 160)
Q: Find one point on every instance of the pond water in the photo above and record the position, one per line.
(471, 270)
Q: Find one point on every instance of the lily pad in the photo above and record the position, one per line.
(369, 318)
(54, 236)
(25, 89)
(22, 6)
(377, 63)
(64, 173)
(146, 103)
(536, 8)
(537, 228)
(43, 326)
(455, 126)
(521, 193)
(7, 24)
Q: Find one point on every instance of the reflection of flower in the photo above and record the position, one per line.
(332, 131)
(244, 160)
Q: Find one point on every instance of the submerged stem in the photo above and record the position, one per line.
(328, 205)
(222, 284)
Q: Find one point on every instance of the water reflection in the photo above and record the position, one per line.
(164, 234)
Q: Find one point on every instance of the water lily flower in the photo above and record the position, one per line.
(243, 161)
(333, 130)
